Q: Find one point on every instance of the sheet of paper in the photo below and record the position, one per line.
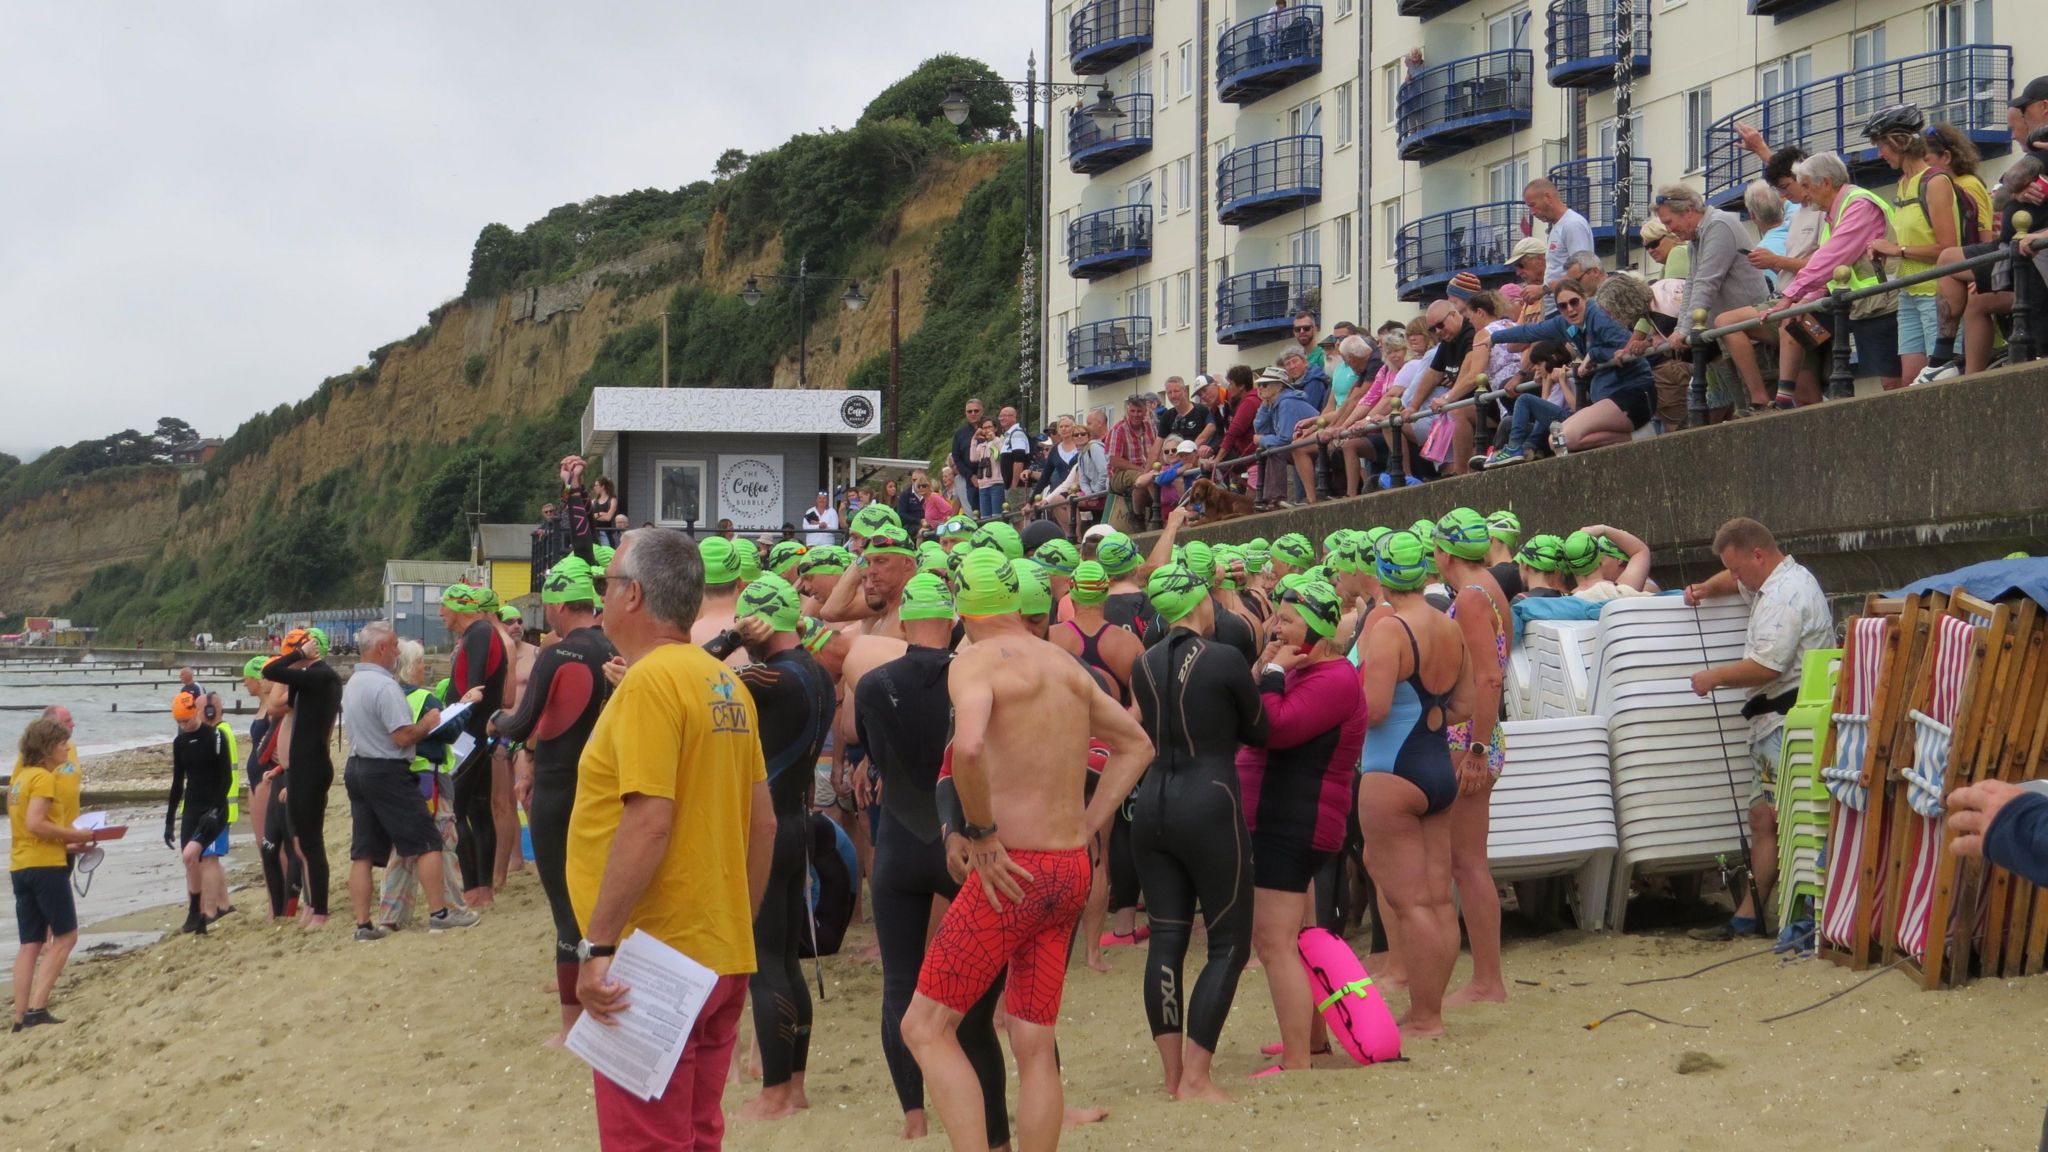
(453, 712)
(668, 990)
(90, 821)
(461, 748)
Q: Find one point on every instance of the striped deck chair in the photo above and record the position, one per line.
(1997, 929)
(1846, 776)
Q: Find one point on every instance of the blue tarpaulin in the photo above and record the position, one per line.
(1991, 580)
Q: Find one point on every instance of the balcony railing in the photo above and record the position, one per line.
(1589, 186)
(1446, 109)
(1967, 86)
(1585, 43)
(1109, 350)
(1105, 33)
(1261, 181)
(1103, 243)
(1478, 239)
(1096, 147)
(1259, 307)
(1424, 9)
(1268, 52)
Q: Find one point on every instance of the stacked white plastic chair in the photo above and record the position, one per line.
(1553, 810)
(1560, 657)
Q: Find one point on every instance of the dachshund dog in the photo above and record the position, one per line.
(1215, 502)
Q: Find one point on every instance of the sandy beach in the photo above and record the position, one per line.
(268, 1036)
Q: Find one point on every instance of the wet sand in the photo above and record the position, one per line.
(267, 1036)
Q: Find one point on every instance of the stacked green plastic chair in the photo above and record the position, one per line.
(1803, 802)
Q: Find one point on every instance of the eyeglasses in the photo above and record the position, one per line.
(1569, 301)
(1304, 327)
(1439, 325)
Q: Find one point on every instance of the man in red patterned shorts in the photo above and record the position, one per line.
(1023, 711)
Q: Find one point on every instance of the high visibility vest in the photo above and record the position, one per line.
(1862, 273)
(234, 774)
(418, 699)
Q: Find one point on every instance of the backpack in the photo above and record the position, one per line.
(1968, 228)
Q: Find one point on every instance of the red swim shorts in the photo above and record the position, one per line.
(1031, 936)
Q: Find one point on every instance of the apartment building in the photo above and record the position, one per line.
(1352, 157)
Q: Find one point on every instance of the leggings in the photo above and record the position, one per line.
(306, 807)
(1192, 852)
(554, 794)
(782, 1001)
(1126, 888)
(909, 874)
(476, 831)
(282, 876)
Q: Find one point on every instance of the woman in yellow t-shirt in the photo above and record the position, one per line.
(37, 863)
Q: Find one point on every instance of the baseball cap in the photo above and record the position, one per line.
(2036, 89)
(1526, 247)
(1174, 591)
(1034, 586)
(988, 585)
(1097, 532)
(569, 580)
(721, 561)
(926, 597)
(1091, 583)
(772, 599)
(1186, 447)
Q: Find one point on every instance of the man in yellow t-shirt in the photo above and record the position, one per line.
(671, 833)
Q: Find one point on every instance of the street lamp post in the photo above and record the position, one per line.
(1103, 111)
(852, 298)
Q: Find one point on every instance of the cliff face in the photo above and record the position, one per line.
(56, 540)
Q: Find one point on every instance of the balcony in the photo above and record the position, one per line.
(1429, 251)
(1585, 43)
(1264, 54)
(1589, 186)
(1259, 307)
(1424, 9)
(1109, 350)
(1446, 109)
(1094, 147)
(1105, 33)
(1105, 243)
(1967, 86)
(1783, 10)
(1261, 181)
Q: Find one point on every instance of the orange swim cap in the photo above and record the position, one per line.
(184, 706)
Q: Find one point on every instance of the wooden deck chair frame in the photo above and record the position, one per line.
(1859, 956)
(1978, 937)
(2033, 765)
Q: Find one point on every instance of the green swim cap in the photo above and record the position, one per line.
(721, 561)
(1403, 561)
(875, 518)
(568, 581)
(1119, 556)
(887, 539)
(2019, 556)
(603, 554)
(782, 558)
(1294, 550)
(511, 615)
(323, 645)
(824, 560)
(1317, 572)
(931, 557)
(959, 525)
(1505, 527)
(460, 597)
(1287, 583)
(253, 667)
(1256, 557)
(926, 597)
(1463, 533)
(955, 559)
(988, 585)
(999, 535)
(1318, 605)
(1259, 542)
(1352, 554)
(1543, 553)
(1581, 554)
(1058, 555)
(772, 599)
(1201, 560)
(1425, 530)
(1331, 541)
(1174, 591)
(1610, 549)
(1091, 583)
(1034, 585)
(1375, 534)
(1229, 561)
(749, 555)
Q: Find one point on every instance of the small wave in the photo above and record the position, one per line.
(100, 749)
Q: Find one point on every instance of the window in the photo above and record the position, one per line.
(1871, 90)
(1390, 227)
(1066, 321)
(433, 595)
(1395, 74)
(1787, 74)
(681, 484)
(1141, 80)
(1066, 21)
(404, 592)
(1184, 181)
(1305, 119)
(1187, 69)
(1138, 301)
(1184, 295)
(1508, 30)
(1165, 299)
(1954, 23)
(1306, 247)
(1344, 115)
(1343, 8)
(1138, 191)
(1636, 137)
(1504, 182)
(1699, 112)
(1342, 227)
(1066, 220)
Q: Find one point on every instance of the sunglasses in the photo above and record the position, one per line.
(1440, 325)
(1304, 327)
(1569, 302)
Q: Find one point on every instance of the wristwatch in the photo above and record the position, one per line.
(585, 950)
(1484, 749)
(977, 831)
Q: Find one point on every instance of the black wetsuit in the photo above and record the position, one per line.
(556, 713)
(1133, 613)
(480, 661)
(1125, 886)
(200, 768)
(1197, 701)
(283, 877)
(1231, 631)
(315, 696)
(904, 717)
(794, 700)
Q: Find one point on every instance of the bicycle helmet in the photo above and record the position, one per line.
(1899, 118)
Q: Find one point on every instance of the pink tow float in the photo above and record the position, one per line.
(1350, 1002)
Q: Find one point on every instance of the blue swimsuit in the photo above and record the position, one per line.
(1406, 744)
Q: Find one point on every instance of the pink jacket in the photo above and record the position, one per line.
(1859, 226)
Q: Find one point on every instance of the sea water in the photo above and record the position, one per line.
(114, 704)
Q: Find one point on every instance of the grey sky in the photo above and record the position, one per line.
(212, 206)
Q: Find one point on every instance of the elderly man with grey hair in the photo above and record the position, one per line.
(387, 813)
(1721, 278)
(1857, 218)
(1585, 267)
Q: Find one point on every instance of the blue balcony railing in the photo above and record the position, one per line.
(1424, 9)
(1104, 243)
(1266, 53)
(1259, 307)
(1261, 181)
(1589, 186)
(1446, 109)
(1966, 86)
(1585, 43)
(1109, 350)
(1105, 33)
(1096, 147)
(1478, 239)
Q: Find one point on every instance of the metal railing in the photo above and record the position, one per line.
(1110, 349)
(1253, 303)
(1589, 186)
(1584, 42)
(1105, 33)
(1273, 44)
(1433, 249)
(1490, 86)
(1262, 180)
(1109, 240)
(1090, 140)
(1967, 86)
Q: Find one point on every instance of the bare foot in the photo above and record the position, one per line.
(1254, 965)
(1206, 1090)
(1078, 1116)
(1474, 994)
(313, 922)
(752, 1070)
(1097, 960)
(1427, 1030)
(870, 954)
(765, 1107)
(914, 1125)
(556, 1041)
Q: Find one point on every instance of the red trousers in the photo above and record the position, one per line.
(687, 1117)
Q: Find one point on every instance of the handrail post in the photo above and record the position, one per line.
(2020, 348)
(1841, 384)
(1395, 452)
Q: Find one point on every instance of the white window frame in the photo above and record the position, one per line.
(1066, 25)
(1518, 172)
(1306, 118)
(1785, 71)
(433, 593)
(1184, 182)
(1396, 76)
(1138, 300)
(1184, 293)
(1187, 69)
(1344, 126)
(703, 470)
(1305, 246)
(1696, 112)
(1390, 227)
(1976, 23)
(1141, 80)
(1345, 256)
(1868, 93)
(404, 593)
(1343, 8)
(1517, 21)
